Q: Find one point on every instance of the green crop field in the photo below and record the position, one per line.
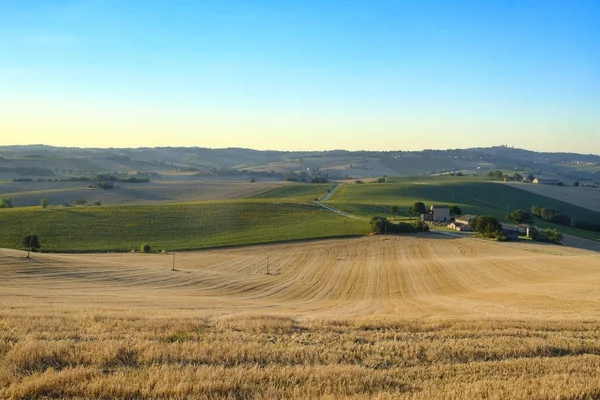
(300, 192)
(472, 195)
(172, 226)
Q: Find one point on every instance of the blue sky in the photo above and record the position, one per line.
(301, 74)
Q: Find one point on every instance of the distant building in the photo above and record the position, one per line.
(440, 213)
(465, 219)
(541, 181)
(461, 223)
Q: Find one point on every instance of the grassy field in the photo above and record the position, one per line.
(298, 192)
(155, 192)
(472, 195)
(172, 227)
(424, 317)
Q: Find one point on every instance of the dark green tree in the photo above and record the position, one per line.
(575, 183)
(455, 210)
(517, 177)
(487, 226)
(520, 217)
(31, 243)
(419, 208)
(553, 236)
(44, 203)
(145, 248)
(6, 202)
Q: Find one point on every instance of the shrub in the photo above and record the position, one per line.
(553, 236)
(80, 202)
(145, 248)
(97, 203)
(6, 202)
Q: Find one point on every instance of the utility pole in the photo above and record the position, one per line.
(173, 268)
(268, 255)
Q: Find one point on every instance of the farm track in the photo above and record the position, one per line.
(408, 276)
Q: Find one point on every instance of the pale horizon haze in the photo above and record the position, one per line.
(301, 75)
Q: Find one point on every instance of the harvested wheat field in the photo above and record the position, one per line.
(419, 317)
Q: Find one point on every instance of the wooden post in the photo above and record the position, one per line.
(268, 264)
(173, 269)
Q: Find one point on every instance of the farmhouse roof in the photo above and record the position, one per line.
(466, 217)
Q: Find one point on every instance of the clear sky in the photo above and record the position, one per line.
(323, 74)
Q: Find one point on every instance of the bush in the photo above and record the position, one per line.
(97, 203)
(554, 236)
(549, 236)
(145, 248)
(80, 202)
(6, 202)
(382, 225)
(44, 203)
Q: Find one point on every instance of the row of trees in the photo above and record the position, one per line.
(382, 225)
(489, 227)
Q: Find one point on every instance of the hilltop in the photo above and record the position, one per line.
(41, 161)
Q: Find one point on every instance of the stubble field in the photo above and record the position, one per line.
(423, 317)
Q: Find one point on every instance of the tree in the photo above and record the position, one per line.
(6, 202)
(394, 210)
(530, 177)
(45, 202)
(419, 208)
(378, 224)
(553, 235)
(575, 183)
(517, 177)
(145, 248)
(97, 203)
(498, 175)
(536, 210)
(520, 217)
(80, 202)
(455, 210)
(487, 226)
(31, 243)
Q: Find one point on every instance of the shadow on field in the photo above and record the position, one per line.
(142, 194)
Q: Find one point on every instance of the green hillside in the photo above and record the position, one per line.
(301, 192)
(172, 227)
(473, 196)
